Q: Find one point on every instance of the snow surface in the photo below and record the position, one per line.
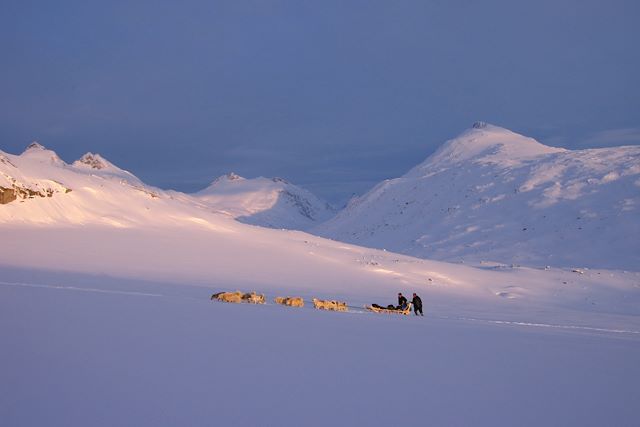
(493, 195)
(105, 319)
(134, 356)
(112, 326)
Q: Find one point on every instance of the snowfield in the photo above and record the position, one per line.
(105, 316)
(149, 355)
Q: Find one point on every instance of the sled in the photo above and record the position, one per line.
(406, 311)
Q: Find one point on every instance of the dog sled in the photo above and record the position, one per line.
(387, 310)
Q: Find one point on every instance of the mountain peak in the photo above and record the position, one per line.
(35, 145)
(94, 161)
(480, 127)
(484, 143)
(36, 150)
(492, 143)
(99, 165)
(230, 177)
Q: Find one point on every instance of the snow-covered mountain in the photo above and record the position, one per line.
(494, 195)
(92, 190)
(15, 179)
(273, 203)
(37, 187)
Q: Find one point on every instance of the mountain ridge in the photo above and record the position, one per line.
(103, 193)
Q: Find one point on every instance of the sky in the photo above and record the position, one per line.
(334, 96)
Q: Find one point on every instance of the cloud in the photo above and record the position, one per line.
(612, 138)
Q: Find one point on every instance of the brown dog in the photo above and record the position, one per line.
(331, 305)
(238, 297)
(290, 301)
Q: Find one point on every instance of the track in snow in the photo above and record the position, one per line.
(354, 310)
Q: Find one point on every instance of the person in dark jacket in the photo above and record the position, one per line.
(402, 301)
(417, 304)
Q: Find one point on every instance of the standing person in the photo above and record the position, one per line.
(402, 301)
(417, 304)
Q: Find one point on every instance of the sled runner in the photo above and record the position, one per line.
(378, 309)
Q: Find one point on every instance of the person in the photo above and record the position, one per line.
(417, 304)
(402, 301)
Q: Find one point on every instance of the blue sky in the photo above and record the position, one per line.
(332, 95)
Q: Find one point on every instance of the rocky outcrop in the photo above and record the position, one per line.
(8, 195)
(35, 145)
(94, 161)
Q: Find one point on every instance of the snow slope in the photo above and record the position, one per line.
(493, 195)
(110, 223)
(105, 319)
(273, 203)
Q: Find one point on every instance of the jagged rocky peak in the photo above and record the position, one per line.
(94, 161)
(482, 127)
(278, 179)
(97, 163)
(231, 176)
(35, 145)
